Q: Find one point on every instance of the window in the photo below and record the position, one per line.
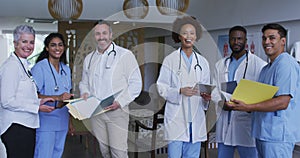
(39, 45)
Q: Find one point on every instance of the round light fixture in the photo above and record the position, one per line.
(172, 7)
(135, 9)
(65, 10)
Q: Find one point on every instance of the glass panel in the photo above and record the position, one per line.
(39, 45)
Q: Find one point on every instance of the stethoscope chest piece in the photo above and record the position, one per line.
(179, 72)
(110, 59)
(56, 88)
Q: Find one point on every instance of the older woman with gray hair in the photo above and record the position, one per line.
(19, 103)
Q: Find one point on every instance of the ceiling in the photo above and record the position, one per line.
(92, 10)
(15, 12)
(213, 14)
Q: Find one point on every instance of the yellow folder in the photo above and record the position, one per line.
(252, 92)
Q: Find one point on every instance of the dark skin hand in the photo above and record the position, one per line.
(58, 98)
(46, 108)
(271, 105)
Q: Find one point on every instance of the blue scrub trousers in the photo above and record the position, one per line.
(227, 151)
(50, 144)
(274, 149)
(179, 149)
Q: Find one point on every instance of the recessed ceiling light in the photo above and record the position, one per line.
(116, 22)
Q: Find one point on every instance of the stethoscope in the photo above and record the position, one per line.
(28, 73)
(195, 67)
(56, 88)
(109, 60)
(246, 66)
(244, 75)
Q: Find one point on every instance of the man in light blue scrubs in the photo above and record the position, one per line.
(276, 124)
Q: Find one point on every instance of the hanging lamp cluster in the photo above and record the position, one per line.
(138, 9)
(65, 10)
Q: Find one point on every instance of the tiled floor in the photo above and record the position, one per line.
(81, 147)
(76, 148)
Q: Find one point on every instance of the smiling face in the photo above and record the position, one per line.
(187, 36)
(103, 36)
(55, 48)
(25, 45)
(272, 43)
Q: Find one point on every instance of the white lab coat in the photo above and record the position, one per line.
(169, 83)
(238, 132)
(124, 75)
(103, 75)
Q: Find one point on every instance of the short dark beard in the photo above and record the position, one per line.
(237, 55)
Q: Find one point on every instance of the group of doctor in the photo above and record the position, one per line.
(266, 129)
(34, 121)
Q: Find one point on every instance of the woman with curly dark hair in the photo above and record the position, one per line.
(185, 125)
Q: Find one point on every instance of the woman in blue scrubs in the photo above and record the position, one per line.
(53, 79)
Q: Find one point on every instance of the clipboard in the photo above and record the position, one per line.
(228, 87)
(204, 88)
(83, 109)
(103, 104)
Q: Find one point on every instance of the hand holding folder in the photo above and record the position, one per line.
(204, 88)
(92, 106)
(251, 92)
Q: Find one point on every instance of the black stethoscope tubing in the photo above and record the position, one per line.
(28, 73)
(112, 51)
(246, 67)
(197, 65)
(56, 88)
(244, 75)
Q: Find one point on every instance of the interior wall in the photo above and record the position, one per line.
(3, 44)
(8, 24)
(291, 26)
(216, 14)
